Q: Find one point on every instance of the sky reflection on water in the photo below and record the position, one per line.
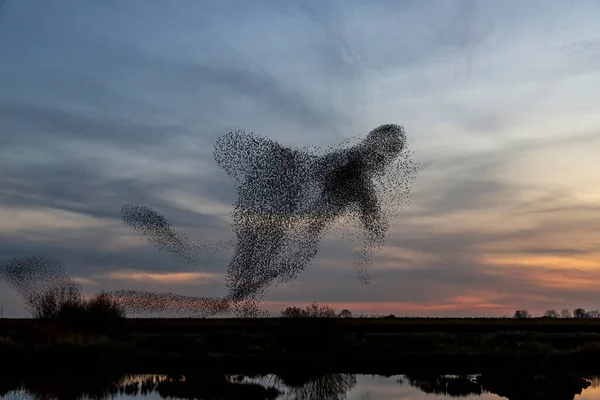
(330, 387)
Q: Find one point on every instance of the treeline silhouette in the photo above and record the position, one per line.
(315, 311)
(578, 313)
(67, 303)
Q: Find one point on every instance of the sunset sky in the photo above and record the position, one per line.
(120, 102)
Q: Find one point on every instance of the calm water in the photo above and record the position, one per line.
(328, 387)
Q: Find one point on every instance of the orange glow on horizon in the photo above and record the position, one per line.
(400, 308)
(165, 278)
(554, 262)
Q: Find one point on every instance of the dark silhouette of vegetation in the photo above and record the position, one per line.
(57, 303)
(345, 342)
(578, 313)
(594, 314)
(522, 314)
(104, 306)
(69, 307)
(313, 311)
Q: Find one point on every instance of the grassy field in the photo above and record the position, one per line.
(332, 343)
(176, 325)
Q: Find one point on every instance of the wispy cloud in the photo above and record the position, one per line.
(185, 278)
(108, 104)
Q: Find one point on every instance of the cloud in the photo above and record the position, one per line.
(108, 104)
(182, 278)
(85, 189)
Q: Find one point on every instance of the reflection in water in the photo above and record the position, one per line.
(214, 387)
(455, 386)
(297, 387)
(104, 387)
(98, 386)
(324, 387)
(540, 386)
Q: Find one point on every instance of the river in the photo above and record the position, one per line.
(295, 387)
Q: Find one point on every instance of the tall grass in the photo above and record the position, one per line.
(67, 304)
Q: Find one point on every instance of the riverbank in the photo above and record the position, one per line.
(369, 345)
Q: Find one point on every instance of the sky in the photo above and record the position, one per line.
(120, 102)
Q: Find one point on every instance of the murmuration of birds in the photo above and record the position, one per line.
(287, 200)
(161, 234)
(33, 278)
(141, 302)
(148, 302)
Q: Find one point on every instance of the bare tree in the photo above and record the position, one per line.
(52, 302)
(313, 311)
(565, 314)
(102, 305)
(551, 314)
(594, 314)
(320, 311)
(293, 312)
(522, 314)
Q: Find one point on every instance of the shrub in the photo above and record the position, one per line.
(103, 306)
(320, 311)
(522, 314)
(67, 305)
(293, 312)
(594, 314)
(565, 314)
(313, 311)
(55, 302)
(551, 314)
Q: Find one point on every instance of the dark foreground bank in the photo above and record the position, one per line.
(369, 346)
